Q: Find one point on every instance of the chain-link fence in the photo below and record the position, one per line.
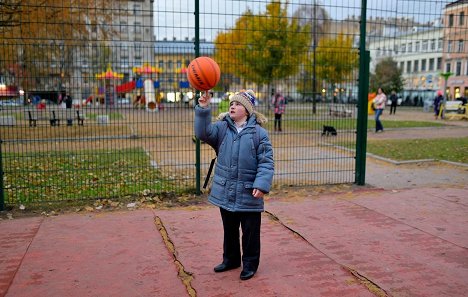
(96, 104)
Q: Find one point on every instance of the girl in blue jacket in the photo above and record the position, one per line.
(243, 175)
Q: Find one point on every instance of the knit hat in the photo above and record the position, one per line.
(246, 98)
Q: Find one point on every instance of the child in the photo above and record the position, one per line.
(243, 175)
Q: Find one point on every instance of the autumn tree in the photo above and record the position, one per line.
(37, 34)
(387, 76)
(263, 48)
(336, 59)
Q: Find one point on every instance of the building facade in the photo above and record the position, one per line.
(455, 57)
(418, 54)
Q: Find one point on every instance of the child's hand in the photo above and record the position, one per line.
(204, 99)
(257, 193)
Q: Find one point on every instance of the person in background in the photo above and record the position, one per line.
(279, 106)
(243, 175)
(394, 102)
(438, 103)
(68, 100)
(379, 103)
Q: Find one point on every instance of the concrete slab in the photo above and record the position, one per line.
(289, 266)
(106, 254)
(15, 238)
(398, 256)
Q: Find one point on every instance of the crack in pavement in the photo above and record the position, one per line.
(185, 276)
(373, 287)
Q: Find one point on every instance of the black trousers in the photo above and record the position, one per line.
(250, 223)
(278, 121)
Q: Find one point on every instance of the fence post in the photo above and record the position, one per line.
(361, 137)
(197, 94)
(2, 193)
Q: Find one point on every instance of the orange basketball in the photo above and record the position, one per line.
(203, 73)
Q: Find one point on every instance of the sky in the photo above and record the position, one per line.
(175, 18)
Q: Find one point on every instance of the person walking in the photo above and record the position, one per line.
(394, 102)
(279, 105)
(243, 175)
(438, 103)
(379, 104)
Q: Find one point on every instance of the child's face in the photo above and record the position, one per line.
(237, 112)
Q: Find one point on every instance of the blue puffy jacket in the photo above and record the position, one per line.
(241, 167)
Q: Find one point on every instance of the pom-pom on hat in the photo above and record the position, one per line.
(439, 93)
(246, 98)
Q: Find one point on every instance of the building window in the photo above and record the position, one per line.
(440, 45)
(123, 27)
(417, 46)
(408, 66)
(450, 20)
(403, 48)
(439, 63)
(424, 46)
(137, 9)
(137, 28)
(402, 66)
(460, 45)
(423, 64)
(433, 44)
(461, 20)
(449, 47)
(431, 64)
(458, 69)
(416, 66)
(410, 47)
(161, 64)
(447, 67)
(395, 49)
(138, 61)
(137, 48)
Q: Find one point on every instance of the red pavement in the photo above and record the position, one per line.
(409, 242)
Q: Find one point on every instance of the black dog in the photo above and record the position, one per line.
(327, 130)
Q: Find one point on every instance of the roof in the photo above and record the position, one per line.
(182, 47)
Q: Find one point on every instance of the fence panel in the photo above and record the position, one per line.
(96, 104)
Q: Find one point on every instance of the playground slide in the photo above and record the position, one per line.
(151, 104)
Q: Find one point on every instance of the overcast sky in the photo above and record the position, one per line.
(175, 18)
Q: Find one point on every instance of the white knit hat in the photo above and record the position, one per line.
(246, 98)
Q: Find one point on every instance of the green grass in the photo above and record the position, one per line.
(84, 175)
(307, 124)
(450, 149)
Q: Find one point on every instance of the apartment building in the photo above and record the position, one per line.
(130, 43)
(417, 53)
(455, 57)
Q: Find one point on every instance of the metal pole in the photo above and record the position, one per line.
(361, 137)
(314, 74)
(197, 94)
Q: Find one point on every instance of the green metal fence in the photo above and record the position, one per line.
(96, 104)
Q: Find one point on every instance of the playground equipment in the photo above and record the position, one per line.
(146, 71)
(110, 78)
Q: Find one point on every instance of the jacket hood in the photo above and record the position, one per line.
(259, 117)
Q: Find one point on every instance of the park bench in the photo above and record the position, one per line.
(341, 110)
(81, 117)
(33, 116)
(455, 110)
(67, 115)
